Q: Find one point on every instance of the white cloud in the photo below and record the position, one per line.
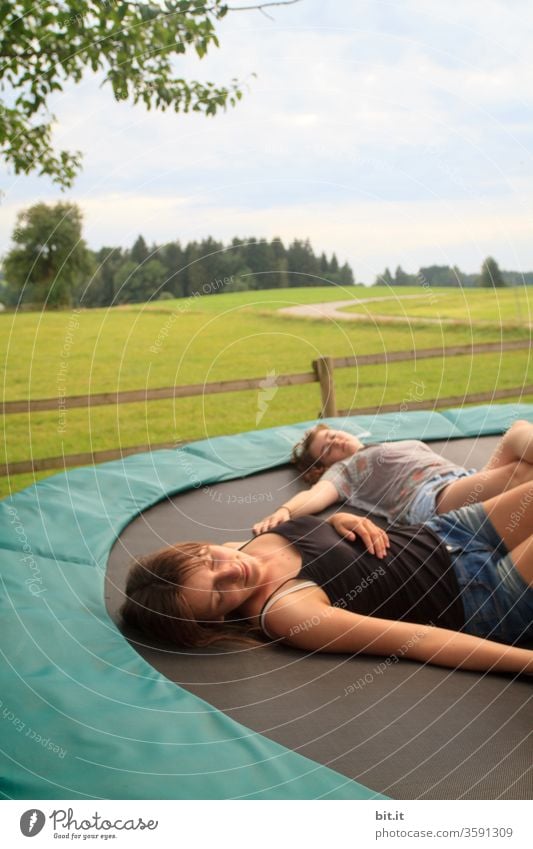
(369, 235)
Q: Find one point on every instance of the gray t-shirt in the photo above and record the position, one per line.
(384, 478)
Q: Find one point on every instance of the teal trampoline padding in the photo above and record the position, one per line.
(487, 420)
(82, 714)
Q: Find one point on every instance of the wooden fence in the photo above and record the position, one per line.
(323, 373)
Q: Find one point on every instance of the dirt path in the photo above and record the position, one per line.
(333, 309)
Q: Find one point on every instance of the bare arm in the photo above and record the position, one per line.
(310, 623)
(350, 526)
(313, 500)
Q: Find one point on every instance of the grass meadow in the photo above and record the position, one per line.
(504, 307)
(237, 335)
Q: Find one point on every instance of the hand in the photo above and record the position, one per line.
(351, 527)
(282, 514)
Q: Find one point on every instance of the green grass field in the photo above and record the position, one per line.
(501, 306)
(235, 335)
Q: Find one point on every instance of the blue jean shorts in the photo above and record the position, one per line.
(497, 602)
(424, 504)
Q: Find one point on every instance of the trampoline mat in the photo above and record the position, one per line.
(405, 730)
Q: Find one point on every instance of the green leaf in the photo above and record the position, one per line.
(46, 43)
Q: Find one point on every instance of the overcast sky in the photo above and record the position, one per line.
(389, 132)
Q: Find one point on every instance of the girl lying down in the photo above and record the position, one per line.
(403, 481)
(455, 591)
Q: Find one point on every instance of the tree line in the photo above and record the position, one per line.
(490, 276)
(51, 264)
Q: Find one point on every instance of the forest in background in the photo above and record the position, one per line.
(205, 267)
(51, 265)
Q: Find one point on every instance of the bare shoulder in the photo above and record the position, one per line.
(235, 544)
(293, 612)
(307, 620)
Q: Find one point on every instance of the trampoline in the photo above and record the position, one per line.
(134, 719)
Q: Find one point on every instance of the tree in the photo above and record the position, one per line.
(100, 290)
(193, 277)
(491, 275)
(123, 284)
(50, 258)
(345, 276)
(153, 278)
(304, 267)
(240, 282)
(171, 255)
(212, 260)
(132, 44)
(135, 284)
(262, 262)
(281, 279)
(438, 275)
(139, 252)
(385, 279)
(402, 278)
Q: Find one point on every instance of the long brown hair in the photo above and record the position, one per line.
(155, 605)
(311, 467)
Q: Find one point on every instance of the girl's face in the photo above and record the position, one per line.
(222, 583)
(329, 446)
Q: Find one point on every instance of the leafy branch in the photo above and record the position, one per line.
(133, 44)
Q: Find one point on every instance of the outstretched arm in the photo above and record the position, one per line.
(323, 494)
(331, 629)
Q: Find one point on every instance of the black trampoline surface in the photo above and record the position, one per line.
(403, 729)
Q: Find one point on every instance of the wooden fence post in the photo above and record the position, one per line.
(324, 371)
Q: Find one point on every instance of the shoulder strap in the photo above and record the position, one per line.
(275, 596)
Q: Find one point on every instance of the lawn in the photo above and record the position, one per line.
(500, 306)
(219, 337)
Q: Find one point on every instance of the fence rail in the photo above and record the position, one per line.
(323, 373)
(133, 396)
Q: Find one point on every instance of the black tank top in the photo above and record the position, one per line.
(414, 582)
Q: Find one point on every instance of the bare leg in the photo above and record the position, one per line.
(483, 485)
(522, 557)
(512, 514)
(510, 465)
(515, 444)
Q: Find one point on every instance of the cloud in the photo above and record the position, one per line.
(376, 128)
(369, 235)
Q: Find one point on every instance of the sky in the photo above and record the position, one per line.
(388, 132)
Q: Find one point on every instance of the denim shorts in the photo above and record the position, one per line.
(423, 506)
(497, 601)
